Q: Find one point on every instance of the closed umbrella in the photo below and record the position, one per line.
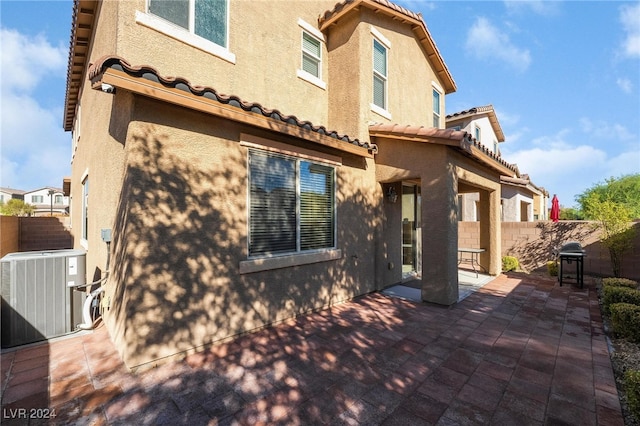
(555, 208)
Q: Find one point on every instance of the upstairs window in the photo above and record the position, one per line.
(292, 205)
(311, 55)
(477, 134)
(204, 18)
(379, 74)
(436, 108)
(58, 199)
(37, 199)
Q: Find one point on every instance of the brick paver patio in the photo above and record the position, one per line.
(521, 350)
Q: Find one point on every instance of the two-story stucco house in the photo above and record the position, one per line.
(255, 161)
(47, 201)
(7, 194)
(521, 200)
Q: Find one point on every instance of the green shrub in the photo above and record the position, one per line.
(552, 268)
(611, 295)
(632, 388)
(509, 263)
(625, 319)
(619, 282)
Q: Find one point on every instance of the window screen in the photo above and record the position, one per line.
(316, 206)
(273, 204)
(291, 205)
(209, 21)
(379, 74)
(311, 54)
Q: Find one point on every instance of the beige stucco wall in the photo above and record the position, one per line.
(180, 234)
(441, 172)
(409, 87)
(98, 153)
(266, 42)
(171, 183)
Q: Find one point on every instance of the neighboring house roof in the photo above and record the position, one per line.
(481, 110)
(12, 191)
(523, 182)
(57, 190)
(81, 31)
(396, 12)
(146, 81)
(458, 139)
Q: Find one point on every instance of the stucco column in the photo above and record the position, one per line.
(490, 231)
(439, 238)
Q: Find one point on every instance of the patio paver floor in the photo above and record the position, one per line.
(520, 350)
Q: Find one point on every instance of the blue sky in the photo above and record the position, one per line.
(564, 78)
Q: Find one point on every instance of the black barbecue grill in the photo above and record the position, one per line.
(571, 252)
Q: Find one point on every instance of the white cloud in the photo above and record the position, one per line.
(35, 148)
(630, 19)
(27, 60)
(539, 7)
(563, 167)
(606, 131)
(625, 85)
(487, 42)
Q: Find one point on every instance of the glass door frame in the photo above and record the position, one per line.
(411, 230)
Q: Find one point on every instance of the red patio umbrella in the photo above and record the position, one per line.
(555, 208)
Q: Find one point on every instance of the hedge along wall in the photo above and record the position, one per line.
(34, 234)
(533, 242)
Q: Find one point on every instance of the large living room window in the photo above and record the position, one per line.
(292, 204)
(204, 18)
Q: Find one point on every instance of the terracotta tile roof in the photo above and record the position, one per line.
(471, 111)
(458, 138)
(487, 109)
(342, 5)
(523, 181)
(396, 12)
(180, 83)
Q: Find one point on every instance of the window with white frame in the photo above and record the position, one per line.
(58, 199)
(477, 134)
(311, 55)
(204, 18)
(436, 108)
(291, 204)
(85, 208)
(37, 199)
(379, 74)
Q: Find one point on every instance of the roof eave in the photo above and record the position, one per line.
(82, 25)
(416, 22)
(121, 80)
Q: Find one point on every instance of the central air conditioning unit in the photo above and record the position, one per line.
(39, 300)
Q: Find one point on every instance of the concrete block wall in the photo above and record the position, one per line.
(532, 243)
(9, 234)
(19, 234)
(45, 233)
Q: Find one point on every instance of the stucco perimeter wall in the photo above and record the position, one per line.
(182, 278)
(532, 242)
